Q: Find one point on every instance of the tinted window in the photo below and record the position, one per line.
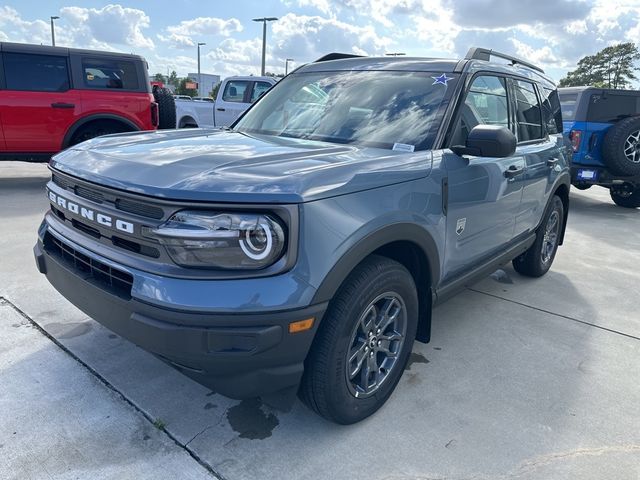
(43, 73)
(568, 102)
(234, 91)
(551, 110)
(111, 74)
(383, 109)
(259, 89)
(485, 104)
(528, 116)
(609, 107)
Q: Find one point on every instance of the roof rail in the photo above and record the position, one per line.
(477, 53)
(336, 56)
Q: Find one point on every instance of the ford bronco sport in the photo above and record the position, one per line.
(603, 126)
(304, 247)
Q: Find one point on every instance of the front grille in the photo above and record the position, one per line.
(89, 194)
(110, 279)
(62, 182)
(139, 208)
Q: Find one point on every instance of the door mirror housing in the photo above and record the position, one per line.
(488, 141)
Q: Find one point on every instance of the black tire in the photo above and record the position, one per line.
(583, 186)
(626, 198)
(622, 139)
(187, 122)
(166, 108)
(97, 129)
(325, 386)
(537, 260)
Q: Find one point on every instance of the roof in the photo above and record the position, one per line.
(48, 50)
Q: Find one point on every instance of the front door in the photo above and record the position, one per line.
(484, 194)
(37, 107)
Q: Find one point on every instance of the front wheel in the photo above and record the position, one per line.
(626, 196)
(537, 260)
(363, 344)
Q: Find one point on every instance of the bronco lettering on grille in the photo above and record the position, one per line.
(91, 215)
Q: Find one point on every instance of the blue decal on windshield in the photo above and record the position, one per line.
(441, 80)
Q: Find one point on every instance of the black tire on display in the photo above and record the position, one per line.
(166, 108)
(621, 147)
(363, 344)
(537, 260)
(628, 197)
(97, 129)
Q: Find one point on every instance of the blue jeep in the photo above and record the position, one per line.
(303, 248)
(603, 126)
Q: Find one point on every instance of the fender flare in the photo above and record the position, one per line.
(91, 118)
(562, 180)
(407, 232)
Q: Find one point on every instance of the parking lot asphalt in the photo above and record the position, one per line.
(524, 379)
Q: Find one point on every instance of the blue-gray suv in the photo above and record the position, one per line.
(302, 249)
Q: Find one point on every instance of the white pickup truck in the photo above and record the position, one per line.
(235, 95)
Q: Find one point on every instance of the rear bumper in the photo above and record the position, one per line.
(601, 176)
(239, 355)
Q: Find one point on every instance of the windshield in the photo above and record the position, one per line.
(384, 109)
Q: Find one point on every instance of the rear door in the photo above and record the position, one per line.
(37, 106)
(539, 133)
(234, 100)
(484, 194)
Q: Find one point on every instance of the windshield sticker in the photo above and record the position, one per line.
(441, 80)
(403, 147)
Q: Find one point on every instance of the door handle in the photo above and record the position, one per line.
(221, 109)
(513, 171)
(63, 105)
(552, 162)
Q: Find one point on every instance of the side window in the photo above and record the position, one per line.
(485, 104)
(41, 73)
(551, 110)
(528, 115)
(259, 89)
(109, 74)
(234, 91)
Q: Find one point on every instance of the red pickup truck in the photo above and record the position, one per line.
(53, 97)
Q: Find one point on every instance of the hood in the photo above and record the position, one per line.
(228, 166)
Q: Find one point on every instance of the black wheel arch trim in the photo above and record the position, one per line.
(92, 118)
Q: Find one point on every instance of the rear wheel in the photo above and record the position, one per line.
(537, 260)
(626, 196)
(97, 129)
(363, 344)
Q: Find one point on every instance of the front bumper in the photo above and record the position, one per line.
(239, 355)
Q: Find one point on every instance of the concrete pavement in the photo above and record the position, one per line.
(524, 379)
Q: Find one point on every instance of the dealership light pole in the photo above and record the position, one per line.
(199, 82)
(286, 65)
(53, 31)
(264, 21)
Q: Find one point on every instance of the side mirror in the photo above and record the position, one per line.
(488, 141)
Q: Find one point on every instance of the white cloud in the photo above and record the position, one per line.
(14, 29)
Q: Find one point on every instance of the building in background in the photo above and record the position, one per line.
(208, 82)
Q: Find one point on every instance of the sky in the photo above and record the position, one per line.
(553, 34)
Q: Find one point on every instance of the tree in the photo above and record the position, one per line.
(173, 79)
(214, 93)
(611, 67)
(182, 89)
(158, 77)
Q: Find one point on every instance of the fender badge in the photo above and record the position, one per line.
(462, 222)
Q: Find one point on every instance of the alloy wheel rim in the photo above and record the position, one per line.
(550, 239)
(375, 344)
(632, 147)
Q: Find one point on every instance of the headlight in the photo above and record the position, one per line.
(233, 241)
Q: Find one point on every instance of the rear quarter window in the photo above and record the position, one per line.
(568, 102)
(608, 107)
(109, 74)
